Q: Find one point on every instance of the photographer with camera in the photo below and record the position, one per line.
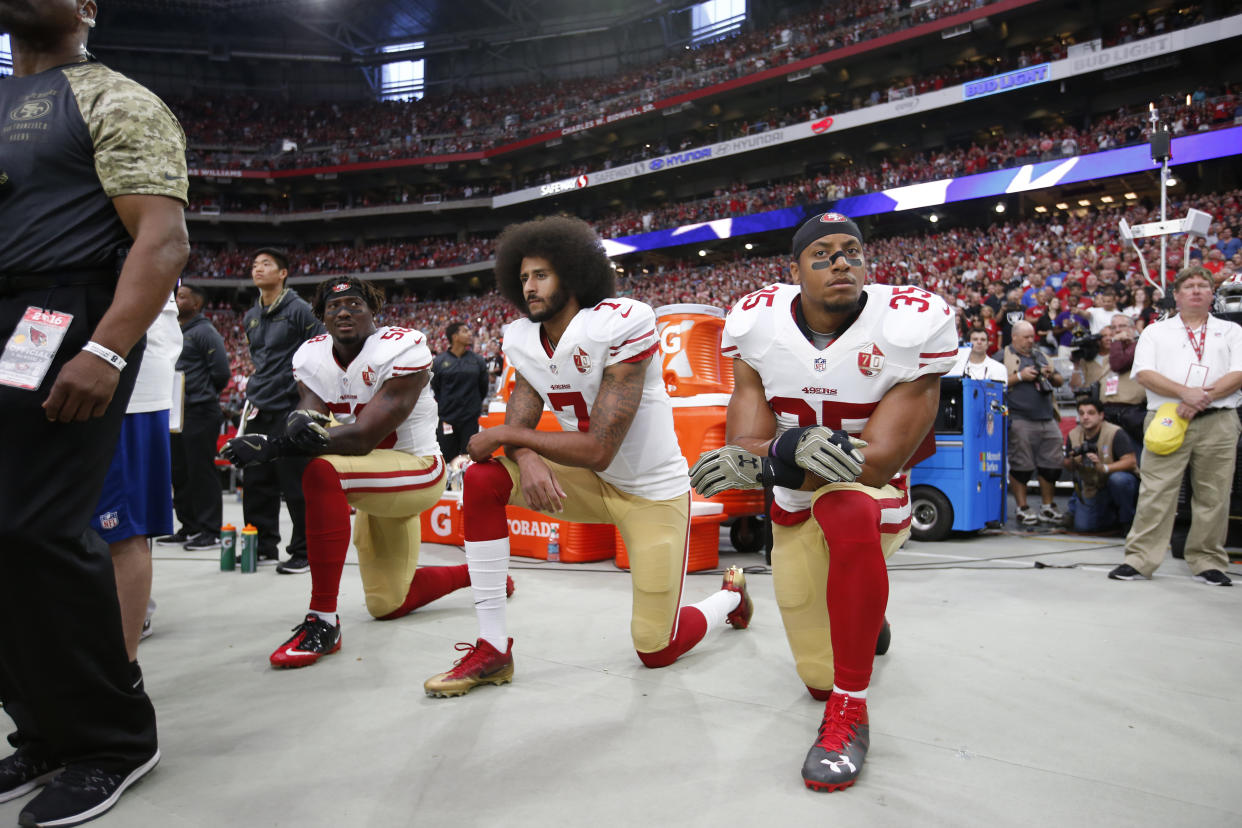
(1100, 457)
(1089, 354)
(1034, 437)
(1124, 400)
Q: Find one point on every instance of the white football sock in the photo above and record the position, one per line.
(857, 694)
(717, 606)
(489, 566)
(331, 617)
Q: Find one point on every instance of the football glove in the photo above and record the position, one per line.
(307, 430)
(251, 449)
(826, 453)
(728, 467)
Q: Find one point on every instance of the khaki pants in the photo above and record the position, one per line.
(390, 489)
(656, 534)
(1210, 451)
(800, 577)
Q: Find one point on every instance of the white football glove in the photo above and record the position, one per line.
(831, 455)
(728, 467)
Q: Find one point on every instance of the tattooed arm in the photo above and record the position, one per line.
(389, 409)
(620, 392)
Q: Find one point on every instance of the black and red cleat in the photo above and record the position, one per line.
(836, 758)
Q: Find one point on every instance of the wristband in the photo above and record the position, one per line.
(776, 472)
(785, 447)
(109, 356)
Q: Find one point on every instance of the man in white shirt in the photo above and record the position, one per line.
(974, 362)
(1192, 359)
(1104, 310)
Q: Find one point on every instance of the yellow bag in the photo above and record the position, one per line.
(1167, 430)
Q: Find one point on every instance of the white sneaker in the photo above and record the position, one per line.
(1025, 517)
(1049, 513)
(146, 624)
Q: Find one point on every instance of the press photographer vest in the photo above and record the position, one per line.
(1129, 392)
(1090, 481)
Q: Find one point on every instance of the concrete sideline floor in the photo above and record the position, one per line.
(1011, 696)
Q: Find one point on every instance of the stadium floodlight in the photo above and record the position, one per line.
(1061, 205)
(702, 252)
(1000, 206)
(933, 218)
(1084, 202)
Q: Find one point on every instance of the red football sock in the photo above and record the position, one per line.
(327, 532)
(430, 583)
(691, 627)
(857, 583)
(485, 493)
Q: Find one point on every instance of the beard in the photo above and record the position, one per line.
(551, 307)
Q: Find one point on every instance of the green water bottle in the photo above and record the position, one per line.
(228, 547)
(249, 548)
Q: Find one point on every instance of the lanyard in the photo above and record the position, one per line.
(1201, 344)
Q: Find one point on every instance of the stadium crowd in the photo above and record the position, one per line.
(977, 270)
(231, 133)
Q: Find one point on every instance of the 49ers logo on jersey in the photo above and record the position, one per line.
(870, 360)
(582, 361)
(368, 376)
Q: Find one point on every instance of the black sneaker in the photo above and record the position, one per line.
(176, 539)
(202, 541)
(1125, 572)
(1214, 577)
(294, 566)
(22, 772)
(80, 794)
(269, 558)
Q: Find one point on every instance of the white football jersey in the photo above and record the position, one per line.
(902, 333)
(648, 463)
(389, 352)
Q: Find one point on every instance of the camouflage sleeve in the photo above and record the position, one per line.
(139, 146)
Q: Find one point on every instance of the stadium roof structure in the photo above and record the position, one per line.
(361, 27)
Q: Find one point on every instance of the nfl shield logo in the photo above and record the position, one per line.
(109, 520)
(821, 365)
(368, 376)
(582, 361)
(870, 360)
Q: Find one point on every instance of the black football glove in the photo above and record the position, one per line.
(251, 449)
(307, 430)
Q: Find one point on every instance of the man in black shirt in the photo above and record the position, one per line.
(276, 326)
(92, 164)
(459, 380)
(196, 486)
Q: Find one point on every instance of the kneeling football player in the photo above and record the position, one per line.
(587, 356)
(836, 387)
(368, 417)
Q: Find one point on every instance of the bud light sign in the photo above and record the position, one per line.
(1010, 80)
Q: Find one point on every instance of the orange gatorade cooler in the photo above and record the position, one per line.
(700, 427)
(690, 350)
(529, 533)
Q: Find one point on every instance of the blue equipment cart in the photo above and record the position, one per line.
(962, 486)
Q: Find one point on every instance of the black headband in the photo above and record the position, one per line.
(824, 224)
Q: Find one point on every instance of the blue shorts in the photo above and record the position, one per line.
(137, 493)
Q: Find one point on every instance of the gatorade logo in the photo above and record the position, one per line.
(441, 520)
